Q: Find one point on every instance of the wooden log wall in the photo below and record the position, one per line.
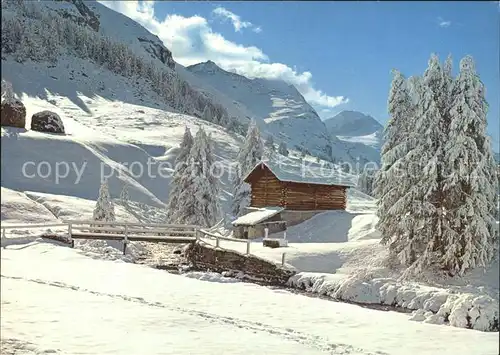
(267, 190)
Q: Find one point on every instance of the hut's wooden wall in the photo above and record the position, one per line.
(267, 190)
(306, 197)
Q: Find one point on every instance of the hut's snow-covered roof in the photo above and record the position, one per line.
(307, 174)
(257, 216)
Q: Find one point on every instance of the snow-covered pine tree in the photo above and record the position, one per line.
(282, 149)
(249, 155)
(251, 151)
(198, 201)
(124, 196)
(470, 187)
(180, 165)
(104, 209)
(269, 143)
(426, 197)
(269, 149)
(207, 114)
(393, 179)
(7, 91)
(365, 181)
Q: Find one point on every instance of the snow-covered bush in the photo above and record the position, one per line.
(431, 304)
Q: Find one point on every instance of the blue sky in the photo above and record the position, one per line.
(338, 54)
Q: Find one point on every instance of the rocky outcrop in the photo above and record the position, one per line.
(87, 17)
(13, 113)
(158, 50)
(205, 257)
(47, 121)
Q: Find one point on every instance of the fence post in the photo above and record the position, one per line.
(248, 246)
(70, 230)
(283, 259)
(266, 232)
(125, 240)
(217, 242)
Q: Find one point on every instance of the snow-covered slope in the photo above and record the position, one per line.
(114, 25)
(277, 106)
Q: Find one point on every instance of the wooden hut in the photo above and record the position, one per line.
(297, 188)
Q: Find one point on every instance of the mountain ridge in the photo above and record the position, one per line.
(350, 123)
(277, 106)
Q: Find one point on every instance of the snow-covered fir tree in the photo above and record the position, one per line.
(269, 143)
(181, 162)
(207, 114)
(282, 149)
(439, 210)
(124, 196)
(365, 181)
(198, 199)
(251, 152)
(269, 148)
(470, 187)
(104, 209)
(425, 195)
(7, 91)
(391, 181)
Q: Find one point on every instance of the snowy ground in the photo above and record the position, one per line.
(338, 254)
(92, 306)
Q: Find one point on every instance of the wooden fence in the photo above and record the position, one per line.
(134, 232)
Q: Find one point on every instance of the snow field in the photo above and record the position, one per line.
(110, 307)
(338, 254)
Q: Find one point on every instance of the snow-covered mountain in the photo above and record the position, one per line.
(361, 132)
(278, 107)
(352, 123)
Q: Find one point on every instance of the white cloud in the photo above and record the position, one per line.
(443, 23)
(238, 24)
(192, 40)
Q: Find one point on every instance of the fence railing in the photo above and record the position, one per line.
(120, 231)
(127, 232)
(248, 242)
(218, 238)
